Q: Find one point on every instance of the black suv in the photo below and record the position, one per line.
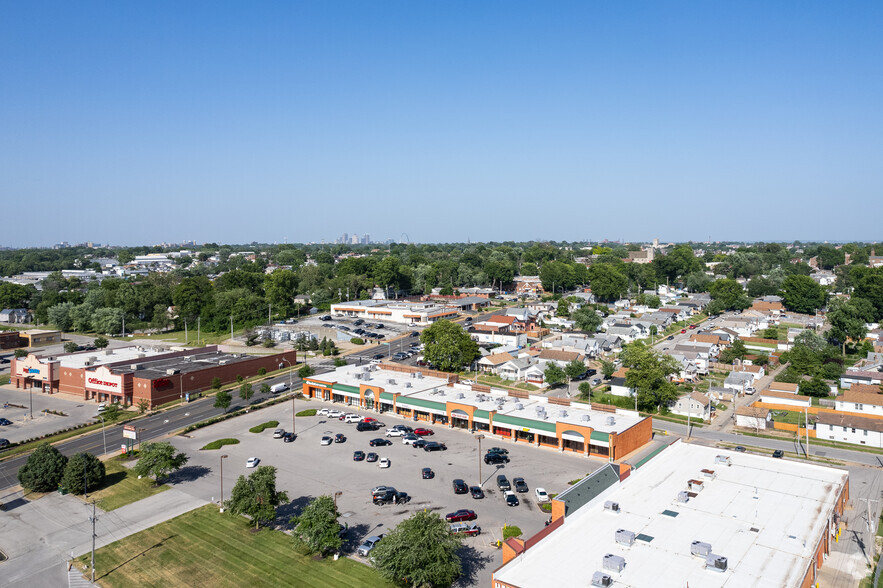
(434, 446)
(495, 458)
(460, 487)
(503, 483)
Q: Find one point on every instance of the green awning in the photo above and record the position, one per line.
(411, 401)
(346, 388)
(599, 436)
(521, 423)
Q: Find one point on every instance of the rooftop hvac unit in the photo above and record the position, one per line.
(611, 506)
(407, 384)
(390, 381)
(172, 371)
(700, 548)
(413, 374)
(135, 366)
(723, 459)
(624, 537)
(715, 562)
(612, 562)
(142, 355)
(601, 580)
(709, 474)
(586, 418)
(108, 352)
(683, 496)
(419, 375)
(93, 358)
(695, 485)
(562, 414)
(610, 421)
(461, 395)
(222, 362)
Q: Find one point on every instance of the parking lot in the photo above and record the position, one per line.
(23, 427)
(307, 469)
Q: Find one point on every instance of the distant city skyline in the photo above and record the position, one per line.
(295, 122)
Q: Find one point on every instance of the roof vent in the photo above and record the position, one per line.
(460, 395)
(695, 485)
(172, 371)
(390, 381)
(624, 537)
(683, 496)
(709, 474)
(718, 563)
(700, 548)
(614, 563)
(108, 352)
(407, 384)
(135, 366)
(602, 580)
(222, 362)
(562, 414)
(419, 375)
(723, 459)
(586, 418)
(611, 506)
(142, 355)
(610, 421)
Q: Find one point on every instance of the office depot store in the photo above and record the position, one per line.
(129, 375)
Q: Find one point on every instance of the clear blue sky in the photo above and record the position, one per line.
(134, 123)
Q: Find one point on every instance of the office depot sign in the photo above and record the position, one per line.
(104, 382)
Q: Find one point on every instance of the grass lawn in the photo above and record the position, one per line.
(789, 416)
(220, 443)
(122, 487)
(205, 548)
(268, 425)
(308, 412)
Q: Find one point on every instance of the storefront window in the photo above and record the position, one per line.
(599, 450)
(529, 437)
(574, 445)
(502, 431)
(481, 426)
(548, 441)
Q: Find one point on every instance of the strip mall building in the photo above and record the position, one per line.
(128, 375)
(407, 313)
(438, 398)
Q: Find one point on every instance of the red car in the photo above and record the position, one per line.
(683, 331)
(368, 419)
(423, 432)
(692, 327)
(461, 515)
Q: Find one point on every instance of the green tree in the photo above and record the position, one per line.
(848, 318)
(19, 353)
(770, 333)
(83, 468)
(649, 374)
(563, 308)
(419, 552)
(70, 347)
(608, 282)
(727, 294)
(305, 371)
(575, 369)
(256, 496)
(100, 342)
(112, 413)
(608, 368)
(223, 399)
(216, 383)
(59, 315)
(159, 460)
(265, 388)
(553, 375)
(108, 320)
(733, 352)
(246, 391)
(143, 405)
(587, 319)
(316, 530)
(815, 387)
(448, 347)
(802, 294)
(585, 391)
(262, 371)
(43, 470)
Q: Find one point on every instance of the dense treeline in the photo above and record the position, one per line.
(215, 282)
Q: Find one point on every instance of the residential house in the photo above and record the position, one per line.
(786, 398)
(739, 381)
(757, 370)
(522, 369)
(720, 394)
(850, 428)
(628, 333)
(863, 399)
(689, 372)
(618, 386)
(560, 358)
(695, 405)
(753, 417)
(852, 377)
(15, 315)
(823, 277)
(784, 387)
(679, 313)
(495, 333)
(528, 285)
(491, 363)
(742, 326)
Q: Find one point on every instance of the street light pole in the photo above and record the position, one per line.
(223, 457)
(480, 479)
(290, 367)
(103, 434)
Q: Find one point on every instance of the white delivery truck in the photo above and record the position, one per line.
(277, 388)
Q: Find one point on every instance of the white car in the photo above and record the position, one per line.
(383, 463)
(334, 414)
(394, 433)
(410, 438)
(352, 418)
(278, 433)
(326, 440)
(542, 496)
(252, 462)
(322, 412)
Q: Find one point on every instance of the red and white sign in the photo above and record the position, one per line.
(103, 380)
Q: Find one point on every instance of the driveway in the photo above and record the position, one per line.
(19, 410)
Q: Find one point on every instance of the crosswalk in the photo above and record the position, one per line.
(75, 579)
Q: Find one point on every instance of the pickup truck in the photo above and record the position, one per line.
(468, 529)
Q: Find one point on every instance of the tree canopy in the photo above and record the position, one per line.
(43, 470)
(419, 552)
(256, 496)
(448, 347)
(159, 460)
(648, 373)
(802, 294)
(83, 468)
(317, 529)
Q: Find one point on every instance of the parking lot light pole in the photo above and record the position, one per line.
(103, 434)
(479, 437)
(223, 457)
(290, 367)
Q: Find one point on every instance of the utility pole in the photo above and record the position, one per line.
(806, 426)
(186, 340)
(479, 437)
(124, 323)
(689, 414)
(223, 457)
(198, 331)
(93, 518)
(231, 329)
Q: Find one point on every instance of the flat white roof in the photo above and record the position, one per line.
(404, 383)
(764, 515)
(78, 360)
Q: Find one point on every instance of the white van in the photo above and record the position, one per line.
(277, 388)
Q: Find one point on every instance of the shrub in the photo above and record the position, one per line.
(262, 372)
(216, 383)
(308, 412)
(220, 443)
(268, 425)
(510, 531)
(357, 341)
